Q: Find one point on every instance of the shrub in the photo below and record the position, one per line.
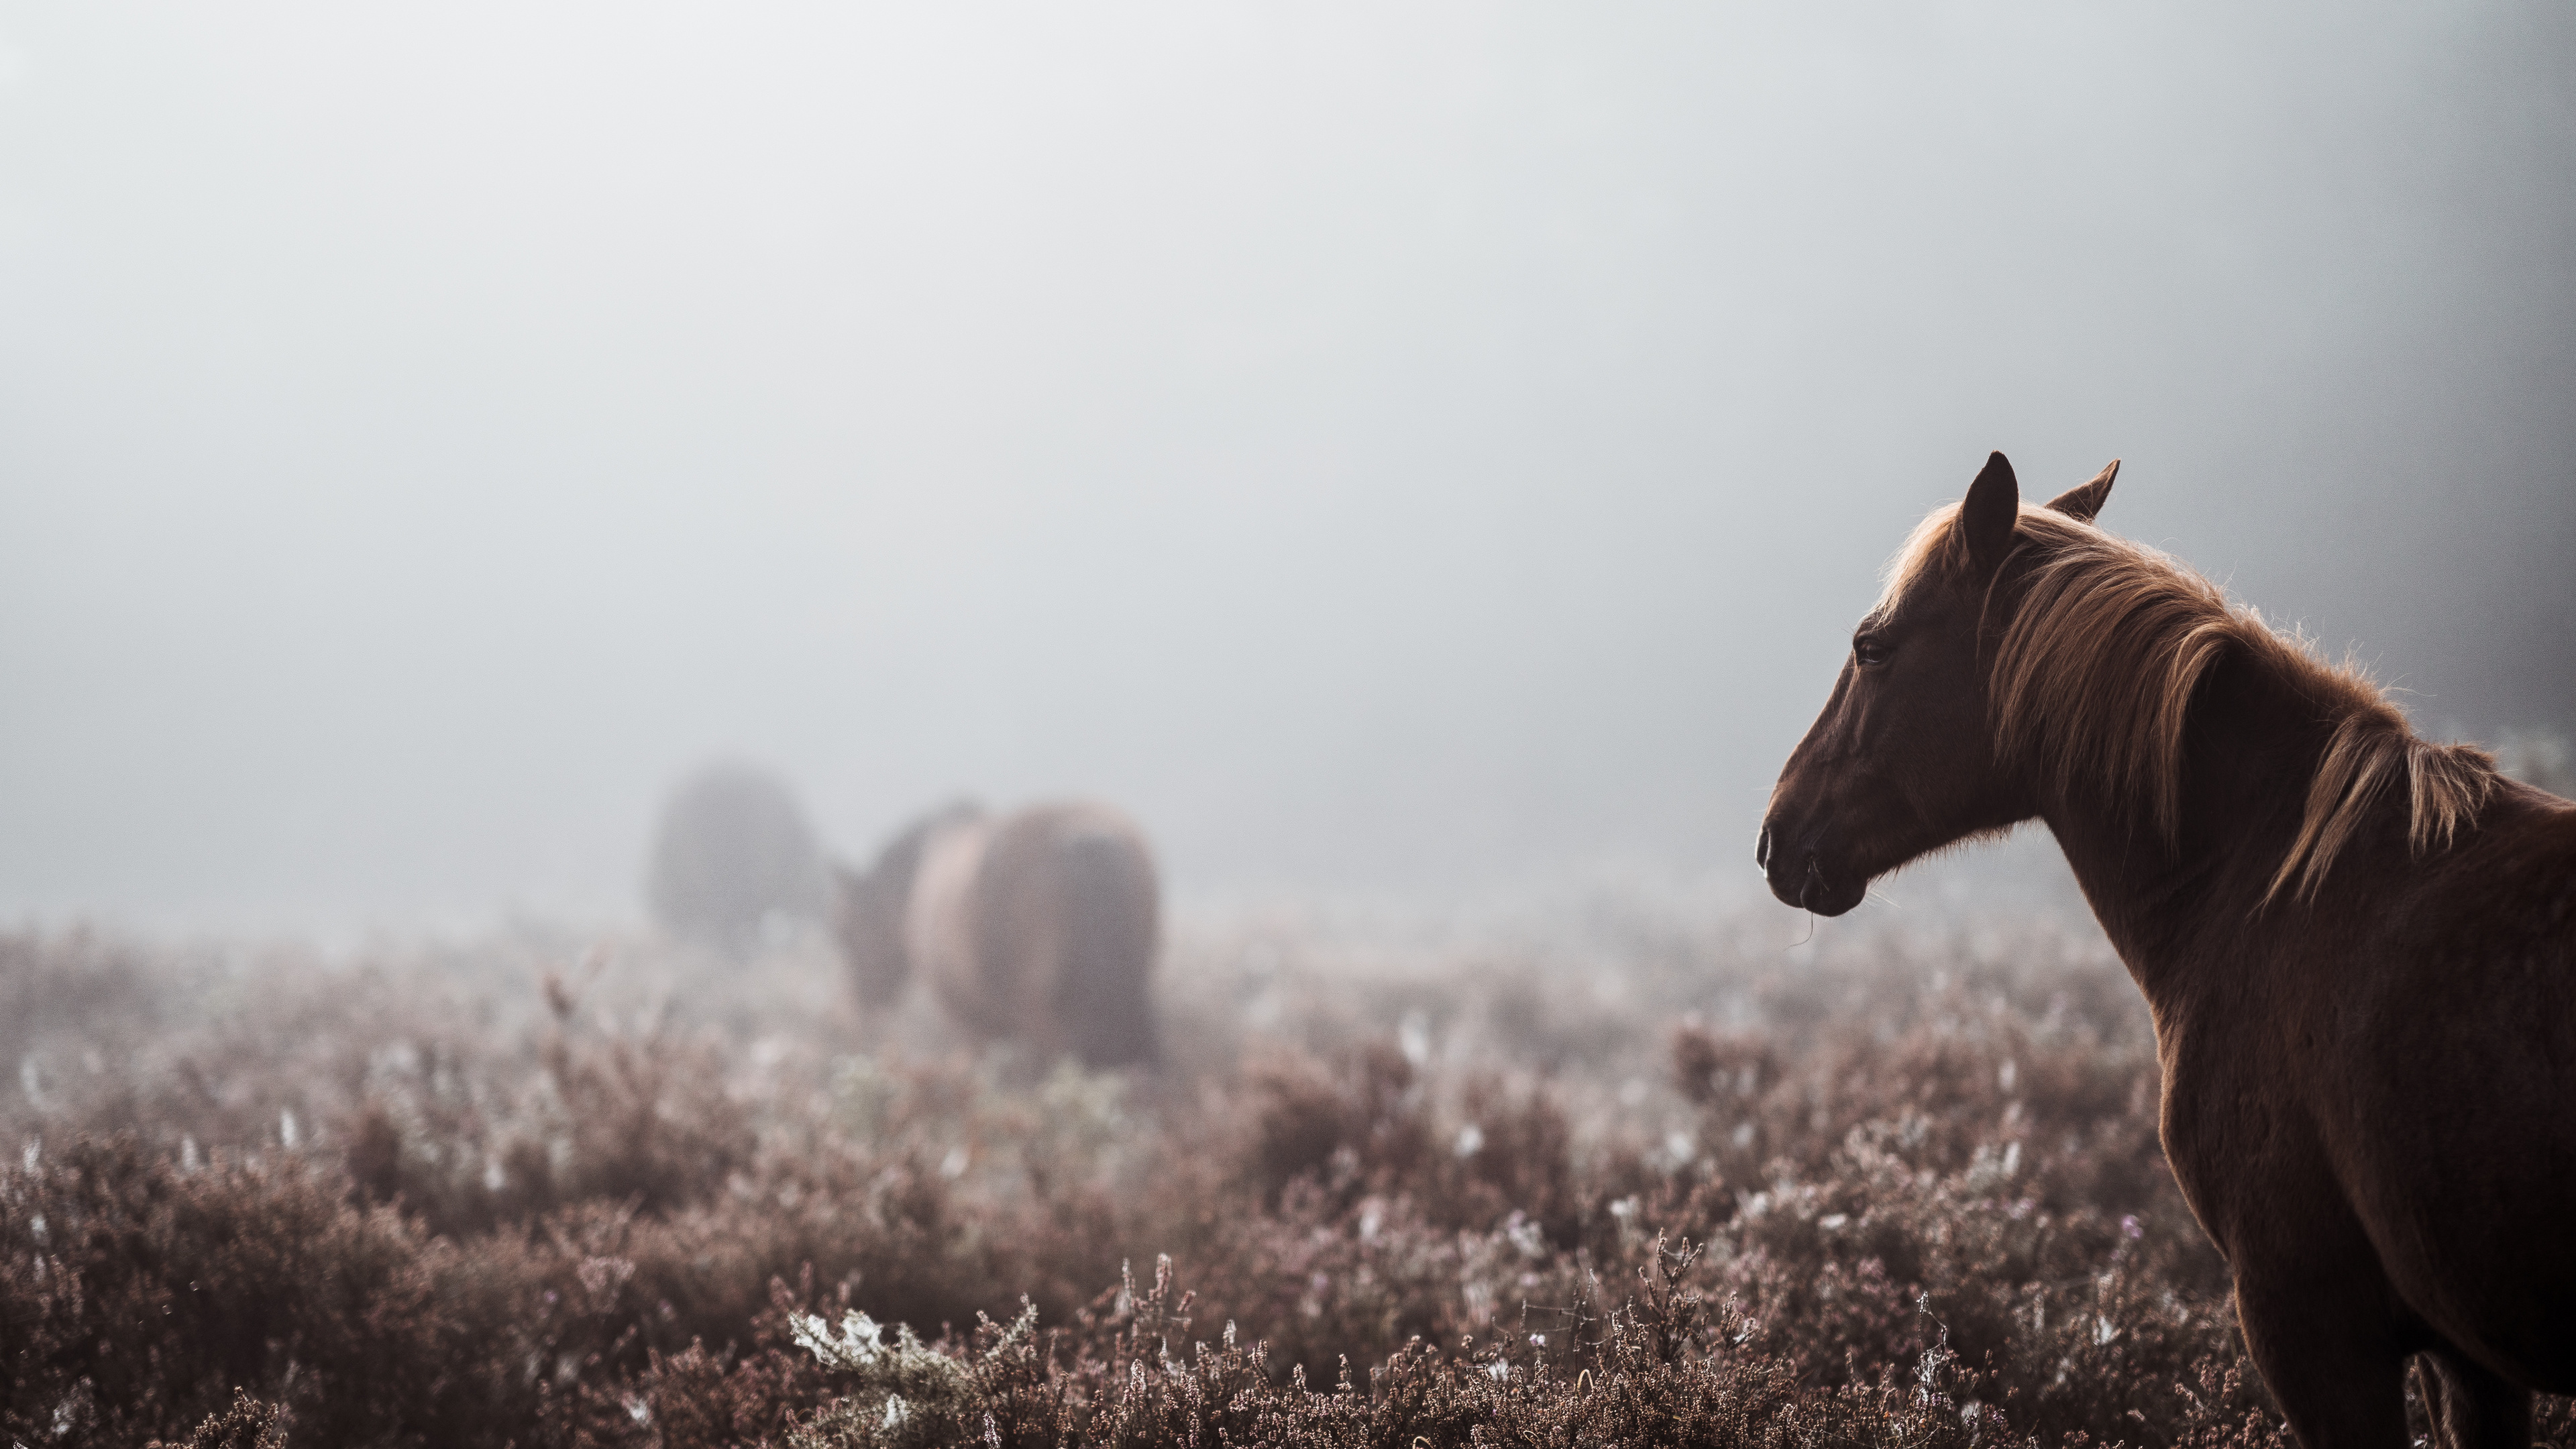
(1639, 1186)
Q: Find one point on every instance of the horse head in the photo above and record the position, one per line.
(1903, 759)
(869, 908)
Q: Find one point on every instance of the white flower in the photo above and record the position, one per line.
(855, 1347)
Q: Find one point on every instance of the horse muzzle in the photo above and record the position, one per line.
(1801, 876)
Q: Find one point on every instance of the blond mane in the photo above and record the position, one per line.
(2093, 681)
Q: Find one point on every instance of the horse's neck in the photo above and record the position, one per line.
(2252, 745)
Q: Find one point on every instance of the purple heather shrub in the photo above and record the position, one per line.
(1647, 1183)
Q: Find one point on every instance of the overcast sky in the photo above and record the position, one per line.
(1387, 447)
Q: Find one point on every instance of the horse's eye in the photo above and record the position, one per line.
(1869, 649)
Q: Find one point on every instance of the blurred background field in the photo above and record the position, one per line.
(1635, 1164)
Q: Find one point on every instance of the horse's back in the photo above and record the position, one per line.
(1112, 933)
(1070, 910)
(1043, 926)
(940, 927)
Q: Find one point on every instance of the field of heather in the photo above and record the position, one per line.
(1641, 1171)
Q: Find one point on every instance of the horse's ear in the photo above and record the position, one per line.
(2084, 500)
(1986, 519)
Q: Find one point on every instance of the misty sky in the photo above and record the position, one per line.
(1387, 447)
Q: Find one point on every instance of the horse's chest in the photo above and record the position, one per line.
(2233, 1142)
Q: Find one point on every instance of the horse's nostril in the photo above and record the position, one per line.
(1762, 849)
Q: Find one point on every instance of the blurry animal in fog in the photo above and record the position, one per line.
(1039, 926)
(2359, 946)
(734, 864)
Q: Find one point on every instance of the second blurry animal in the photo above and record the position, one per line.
(1039, 926)
(735, 868)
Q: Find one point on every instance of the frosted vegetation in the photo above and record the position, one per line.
(1634, 1167)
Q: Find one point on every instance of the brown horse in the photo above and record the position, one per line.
(2359, 947)
(1039, 927)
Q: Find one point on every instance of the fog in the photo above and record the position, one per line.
(1396, 449)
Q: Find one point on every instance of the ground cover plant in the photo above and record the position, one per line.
(1641, 1174)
